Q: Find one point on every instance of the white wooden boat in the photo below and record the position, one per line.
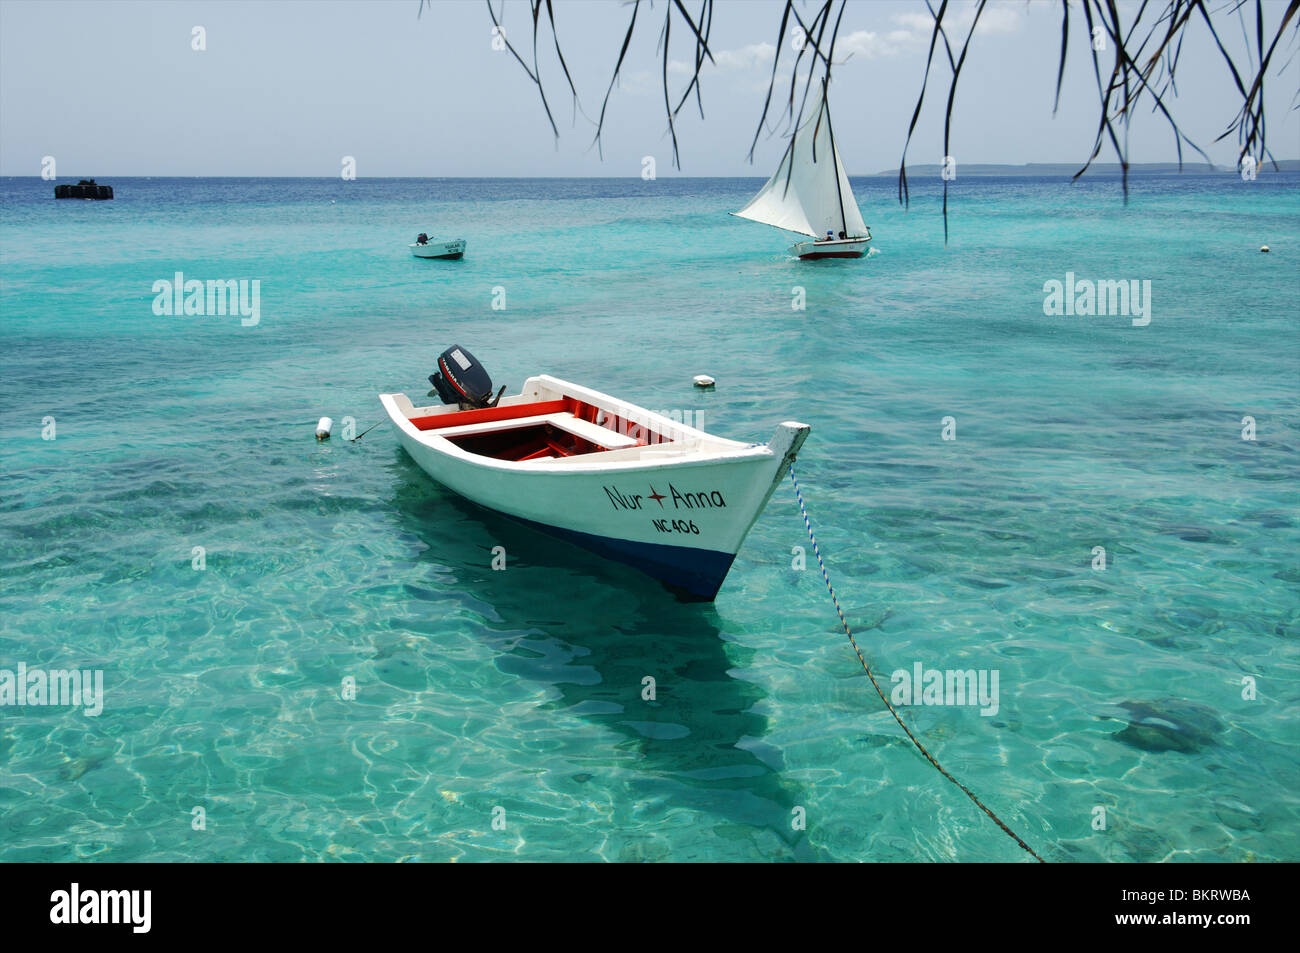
(622, 481)
(436, 248)
(810, 194)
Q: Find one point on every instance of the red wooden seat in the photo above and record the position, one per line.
(487, 414)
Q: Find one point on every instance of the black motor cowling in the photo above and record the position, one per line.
(460, 379)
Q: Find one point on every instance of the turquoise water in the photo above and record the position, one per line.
(522, 689)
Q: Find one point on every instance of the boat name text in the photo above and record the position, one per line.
(699, 500)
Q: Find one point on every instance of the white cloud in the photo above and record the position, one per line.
(745, 58)
(911, 34)
(999, 19)
(639, 83)
(872, 46)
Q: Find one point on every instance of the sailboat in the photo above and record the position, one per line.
(810, 194)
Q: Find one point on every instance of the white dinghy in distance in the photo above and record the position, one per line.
(810, 194)
(629, 484)
(449, 250)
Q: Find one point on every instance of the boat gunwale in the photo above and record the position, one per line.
(835, 241)
(668, 456)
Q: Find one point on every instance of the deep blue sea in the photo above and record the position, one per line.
(1147, 711)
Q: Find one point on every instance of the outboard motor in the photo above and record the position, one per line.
(460, 379)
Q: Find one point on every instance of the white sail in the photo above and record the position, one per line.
(815, 196)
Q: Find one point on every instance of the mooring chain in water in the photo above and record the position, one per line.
(866, 668)
(366, 431)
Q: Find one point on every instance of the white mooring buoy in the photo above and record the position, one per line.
(1263, 248)
(704, 381)
(323, 428)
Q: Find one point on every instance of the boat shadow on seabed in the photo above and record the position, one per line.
(595, 630)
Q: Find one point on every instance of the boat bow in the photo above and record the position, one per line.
(785, 445)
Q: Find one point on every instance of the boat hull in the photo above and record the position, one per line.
(696, 574)
(445, 251)
(83, 191)
(681, 520)
(840, 248)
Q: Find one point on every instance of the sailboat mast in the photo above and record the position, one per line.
(835, 161)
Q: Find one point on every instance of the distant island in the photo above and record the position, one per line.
(1067, 169)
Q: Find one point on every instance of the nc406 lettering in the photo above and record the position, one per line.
(677, 526)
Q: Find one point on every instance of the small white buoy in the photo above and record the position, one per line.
(704, 381)
(323, 428)
(1263, 248)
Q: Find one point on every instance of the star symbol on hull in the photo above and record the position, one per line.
(656, 496)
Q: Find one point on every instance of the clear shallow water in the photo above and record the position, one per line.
(522, 689)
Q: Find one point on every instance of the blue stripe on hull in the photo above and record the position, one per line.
(698, 573)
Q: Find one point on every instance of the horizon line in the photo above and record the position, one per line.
(1198, 166)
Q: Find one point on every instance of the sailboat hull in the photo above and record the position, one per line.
(840, 248)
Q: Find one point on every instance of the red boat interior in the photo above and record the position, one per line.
(526, 443)
(540, 440)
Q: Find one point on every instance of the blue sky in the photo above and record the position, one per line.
(289, 87)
